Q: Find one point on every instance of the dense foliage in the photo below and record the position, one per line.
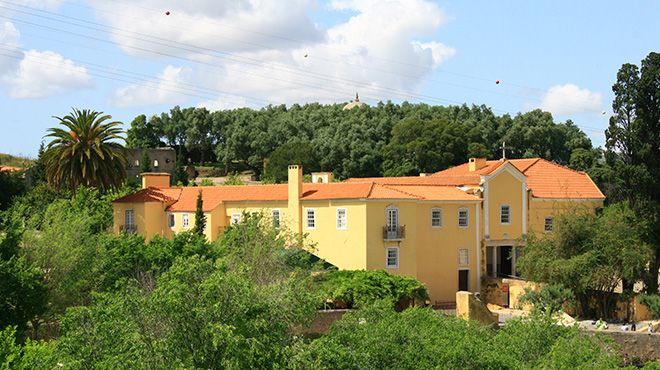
(391, 139)
(377, 337)
(590, 254)
(84, 152)
(632, 169)
(358, 288)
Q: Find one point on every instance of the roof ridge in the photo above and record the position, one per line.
(371, 189)
(401, 191)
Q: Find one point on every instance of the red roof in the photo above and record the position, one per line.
(546, 179)
(184, 199)
(10, 169)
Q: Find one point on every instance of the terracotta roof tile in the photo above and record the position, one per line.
(546, 179)
(149, 195)
(10, 169)
(550, 180)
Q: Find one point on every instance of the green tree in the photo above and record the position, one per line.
(142, 134)
(22, 290)
(180, 175)
(633, 149)
(590, 254)
(300, 153)
(145, 161)
(84, 152)
(11, 186)
(200, 217)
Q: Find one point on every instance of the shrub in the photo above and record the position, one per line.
(652, 301)
(358, 288)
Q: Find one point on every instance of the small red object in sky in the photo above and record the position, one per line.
(497, 82)
(167, 12)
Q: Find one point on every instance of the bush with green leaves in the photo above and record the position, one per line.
(652, 301)
(548, 299)
(358, 288)
(377, 337)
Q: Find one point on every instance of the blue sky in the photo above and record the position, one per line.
(128, 57)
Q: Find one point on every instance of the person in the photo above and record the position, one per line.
(600, 324)
(633, 327)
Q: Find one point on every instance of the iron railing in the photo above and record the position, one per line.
(394, 232)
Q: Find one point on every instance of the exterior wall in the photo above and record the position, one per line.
(342, 248)
(505, 189)
(539, 209)
(166, 158)
(430, 254)
(150, 218)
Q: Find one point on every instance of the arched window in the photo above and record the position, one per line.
(392, 218)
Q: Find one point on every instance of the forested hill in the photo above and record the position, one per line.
(387, 139)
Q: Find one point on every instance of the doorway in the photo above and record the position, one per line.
(504, 261)
(463, 280)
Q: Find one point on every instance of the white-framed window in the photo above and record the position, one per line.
(137, 162)
(392, 218)
(463, 217)
(276, 218)
(392, 257)
(129, 217)
(342, 220)
(155, 162)
(463, 257)
(436, 217)
(548, 224)
(505, 214)
(185, 220)
(170, 219)
(311, 218)
(235, 218)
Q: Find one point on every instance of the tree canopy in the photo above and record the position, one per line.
(84, 152)
(386, 139)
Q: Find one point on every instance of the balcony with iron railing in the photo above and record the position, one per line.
(394, 233)
(128, 229)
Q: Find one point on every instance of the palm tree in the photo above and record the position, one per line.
(84, 153)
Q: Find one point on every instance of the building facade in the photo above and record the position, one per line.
(160, 160)
(452, 230)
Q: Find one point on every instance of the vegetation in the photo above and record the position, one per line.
(388, 138)
(84, 153)
(632, 169)
(200, 217)
(652, 301)
(377, 337)
(589, 254)
(16, 161)
(359, 288)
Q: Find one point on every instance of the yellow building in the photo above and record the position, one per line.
(451, 230)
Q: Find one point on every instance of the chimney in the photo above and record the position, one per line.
(476, 164)
(155, 179)
(294, 195)
(321, 177)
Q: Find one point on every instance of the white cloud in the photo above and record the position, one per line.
(570, 99)
(272, 52)
(9, 44)
(171, 87)
(46, 73)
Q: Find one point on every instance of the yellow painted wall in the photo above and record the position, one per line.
(342, 248)
(150, 218)
(540, 209)
(505, 189)
(427, 253)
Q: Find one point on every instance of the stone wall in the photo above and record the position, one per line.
(164, 157)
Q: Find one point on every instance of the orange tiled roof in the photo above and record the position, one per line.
(184, 199)
(10, 169)
(550, 180)
(546, 179)
(150, 195)
(459, 180)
